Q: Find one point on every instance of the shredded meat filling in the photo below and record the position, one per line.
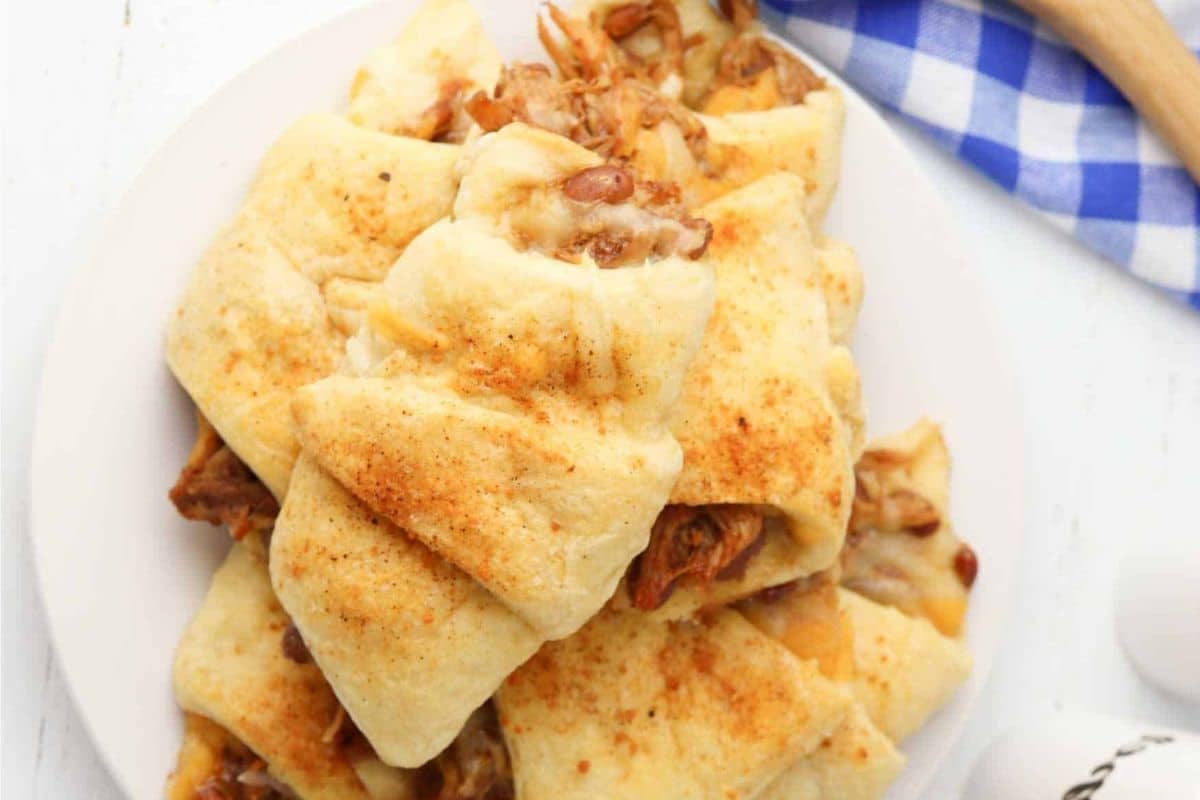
(742, 13)
(603, 102)
(623, 21)
(602, 114)
(588, 53)
(877, 507)
(215, 486)
(708, 542)
(474, 767)
(746, 56)
(293, 646)
(900, 549)
(754, 73)
(619, 222)
(242, 776)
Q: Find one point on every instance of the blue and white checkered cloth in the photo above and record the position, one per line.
(1005, 94)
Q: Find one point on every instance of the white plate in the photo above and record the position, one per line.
(121, 573)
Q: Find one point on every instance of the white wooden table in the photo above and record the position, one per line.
(1111, 370)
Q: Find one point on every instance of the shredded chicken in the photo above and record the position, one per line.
(474, 767)
(215, 486)
(602, 114)
(745, 56)
(708, 542)
(900, 549)
(293, 645)
(242, 776)
(619, 222)
(615, 218)
(603, 97)
(893, 509)
(588, 53)
(620, 22)
(742, 13)
(753, 72)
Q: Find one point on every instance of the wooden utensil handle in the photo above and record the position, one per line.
(1131, 43)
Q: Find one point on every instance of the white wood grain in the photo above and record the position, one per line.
(1111, 369)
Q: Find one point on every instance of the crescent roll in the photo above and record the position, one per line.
(633, 708)
(334, 203)
(770, 420)
(248, 701)
(500, 430)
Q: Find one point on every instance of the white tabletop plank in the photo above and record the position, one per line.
(1111, 370)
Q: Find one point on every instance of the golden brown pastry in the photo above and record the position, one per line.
(770, 420)
(411, 644)
(269, 306)
(505, 405)
(727, 104)
(905, 670)
(415, 85)
(899, 668)
(633, 708)
(334, 203)
(258, 709)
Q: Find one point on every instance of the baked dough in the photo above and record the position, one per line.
(632, 708)
(508, 412)
(771, 414)
(441, 55)
(269, 306)
(410, 644)
(230, 668)
(509, 409)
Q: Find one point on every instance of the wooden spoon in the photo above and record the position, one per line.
(1133, 44)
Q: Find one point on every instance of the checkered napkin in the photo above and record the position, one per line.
(1002, 92)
